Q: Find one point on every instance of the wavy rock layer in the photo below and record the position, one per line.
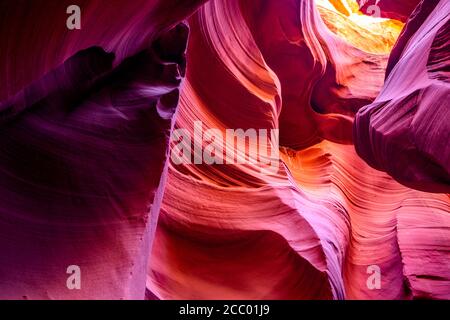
(85, 121)
(315, 228)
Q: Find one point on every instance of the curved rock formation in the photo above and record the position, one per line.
(88, 119)
(405, 130)
(83, 157)
(317, 227)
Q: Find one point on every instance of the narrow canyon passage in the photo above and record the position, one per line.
(225, 149)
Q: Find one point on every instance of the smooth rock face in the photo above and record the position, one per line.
(405, 131)
(356, 208)
(83, 162)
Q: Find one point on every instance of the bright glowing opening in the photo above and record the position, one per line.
(369, 33)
